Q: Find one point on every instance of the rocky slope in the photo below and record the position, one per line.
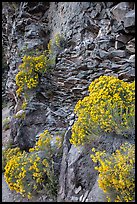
(99, 40)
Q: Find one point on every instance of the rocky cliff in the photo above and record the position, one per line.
(99, 40)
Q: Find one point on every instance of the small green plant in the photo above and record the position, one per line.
(30, 172)
(20, 115)
(109, 108)
(59, 40)
(117, 173)
(24, 105)
(6, 123)
(56, 44)
(4, 103)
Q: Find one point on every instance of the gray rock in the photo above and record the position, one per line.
(77, 190)
(115, 67)
(72, 79)
(63, 176)
(119, 11)
(71, 122)
(91, 46)
(62, 112)
(107, 70)
(96, 194)
(129, 75)
(74, 154)
(82, 74)
(118, 53)
(132, 58)
(119, 45)
(130, 48)
(129, 19)
(80, 198)
(71, 116)
(103, 54)
(77, 90)
(85, 196)
(123, 38)
(73, 198)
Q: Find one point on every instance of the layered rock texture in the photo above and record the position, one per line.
(99, 40)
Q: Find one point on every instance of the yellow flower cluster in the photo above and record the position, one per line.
(14, 174)
(33, 66)
(117, 173)
(43, 142)
(7, 154)
(24, 105)
(27, 77)
(27, 172)
(110, 107)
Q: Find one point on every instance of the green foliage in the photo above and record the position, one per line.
(30, 172)
(117, 173)
(110, 107)
(6, 123)
(15, 5)
(4, 103)
(24, 105)
(21, 115)
(57, 44)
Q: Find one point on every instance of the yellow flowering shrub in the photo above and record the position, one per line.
(28, 173)
(34, 66)
(117, 173)
(109, 107)
(28, 76)
(44, 143)
(7, 154)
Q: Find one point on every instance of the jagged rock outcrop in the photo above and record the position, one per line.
(99, 40)
(78, 178)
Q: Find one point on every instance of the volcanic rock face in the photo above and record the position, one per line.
(99, 40)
